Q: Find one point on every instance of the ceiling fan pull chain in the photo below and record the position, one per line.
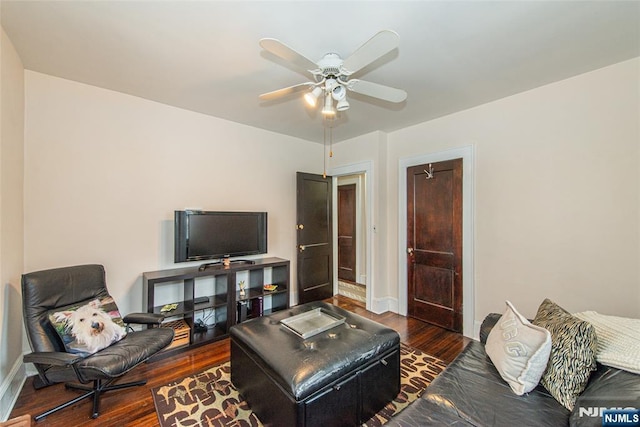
(331, 142)
(324, 151)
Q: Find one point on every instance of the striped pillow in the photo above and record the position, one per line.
(573, 353)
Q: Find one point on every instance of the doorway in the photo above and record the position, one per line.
(434, 243)
(362, 175)
(314, 225)
(469, 327)
(351, 244)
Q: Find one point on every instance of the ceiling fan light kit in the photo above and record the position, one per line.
(331, 73)
(328, 110)
(338, 92)
(342, 105)
(311, 97)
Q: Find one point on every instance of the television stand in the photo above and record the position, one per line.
(216, 291)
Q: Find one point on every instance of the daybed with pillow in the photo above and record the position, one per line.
(548, 372)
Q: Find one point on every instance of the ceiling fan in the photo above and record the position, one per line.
(331, 74)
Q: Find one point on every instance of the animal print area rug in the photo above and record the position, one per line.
(209, 399)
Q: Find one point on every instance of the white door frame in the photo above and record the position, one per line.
(365, 168)
(468, 298)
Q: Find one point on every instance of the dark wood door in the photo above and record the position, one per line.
(434, 243)
(314, 241)
(347, 232)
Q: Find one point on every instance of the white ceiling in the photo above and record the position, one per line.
(204, 55)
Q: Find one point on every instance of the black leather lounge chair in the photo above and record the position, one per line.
(51, 292)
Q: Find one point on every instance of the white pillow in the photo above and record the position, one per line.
(519, 350)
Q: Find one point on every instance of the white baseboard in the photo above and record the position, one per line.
(11, 387)
(476, 330)
(381, 305)
(30, 370)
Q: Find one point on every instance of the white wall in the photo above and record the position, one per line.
(11, 222)
(104, 172)
(556, 192)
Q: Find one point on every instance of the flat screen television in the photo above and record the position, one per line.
(203, 235)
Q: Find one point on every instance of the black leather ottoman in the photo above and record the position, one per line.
(342, 376)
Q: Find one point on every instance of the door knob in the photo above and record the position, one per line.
(410, 251)
(299, 226)
(301, 248)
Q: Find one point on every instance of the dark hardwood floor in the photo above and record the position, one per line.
(134, 406)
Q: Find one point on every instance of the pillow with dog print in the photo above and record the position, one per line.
(88, 328)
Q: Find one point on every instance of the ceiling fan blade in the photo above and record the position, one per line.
(285, 52)
(378, 45)
(376, 90)
(284, 91)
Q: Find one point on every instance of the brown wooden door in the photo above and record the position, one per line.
(347, 232)
(434, 243)
(314, 237)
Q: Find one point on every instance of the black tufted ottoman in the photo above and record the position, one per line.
(341, 376)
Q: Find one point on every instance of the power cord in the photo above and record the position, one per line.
(200, 326)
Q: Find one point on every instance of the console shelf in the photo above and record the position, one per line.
(221, 286)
